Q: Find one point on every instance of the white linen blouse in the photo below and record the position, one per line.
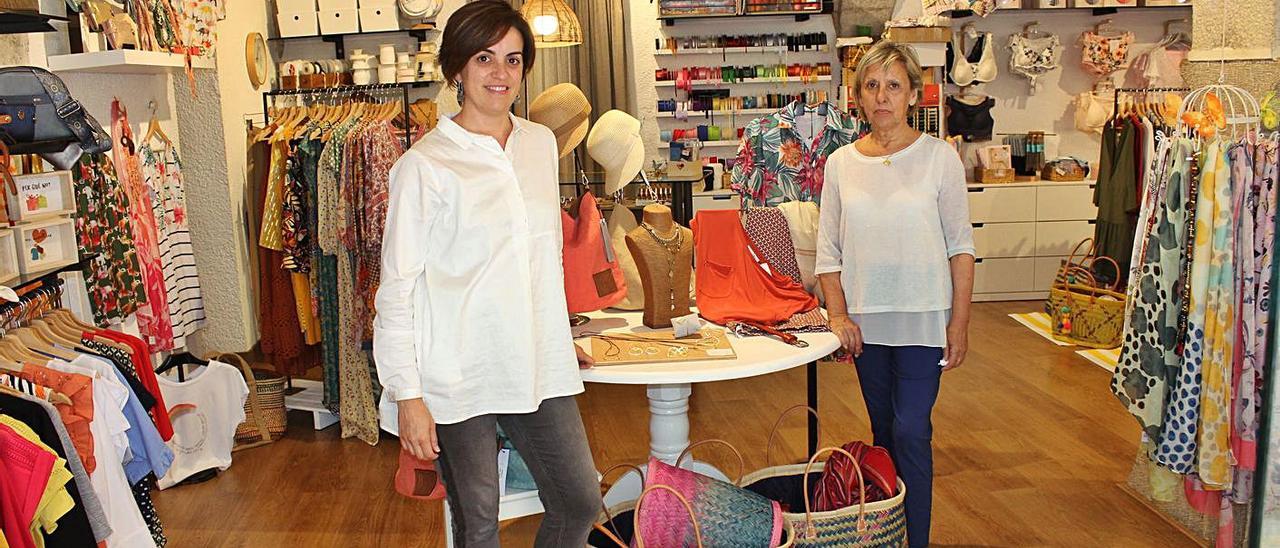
(890, 230)
(471, 312)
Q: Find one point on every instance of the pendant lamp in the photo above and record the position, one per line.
(554, 23)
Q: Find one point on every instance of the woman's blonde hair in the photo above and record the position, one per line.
(885, 53)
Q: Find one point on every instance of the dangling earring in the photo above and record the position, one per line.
(461, 95)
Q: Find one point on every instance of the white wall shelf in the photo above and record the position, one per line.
(707, 144)
(789, 79)
(736, 51)
(125, 61)
(701, 113)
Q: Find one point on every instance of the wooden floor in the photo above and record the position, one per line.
(1029, 446)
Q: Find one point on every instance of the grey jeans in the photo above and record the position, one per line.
(552, 442)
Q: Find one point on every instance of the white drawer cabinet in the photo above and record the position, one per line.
(1060, 237)
(1065, 203)
(997, 240)
(1004, 275)
(1022, 232)
(1002, 205)
(1045, 270)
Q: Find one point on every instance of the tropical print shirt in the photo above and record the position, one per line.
(776, 165)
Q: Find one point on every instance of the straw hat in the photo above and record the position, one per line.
(615, 144)
(565, 110)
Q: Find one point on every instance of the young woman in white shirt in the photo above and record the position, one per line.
(895, 262)
(472, 327)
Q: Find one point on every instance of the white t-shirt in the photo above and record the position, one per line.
(890, 230)
(128, 530)
(205, 411)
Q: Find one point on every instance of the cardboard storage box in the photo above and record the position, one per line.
(40, 196)
(46, 245)
(340, 22)
(301, 23)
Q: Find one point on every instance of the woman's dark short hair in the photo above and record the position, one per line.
(476, 26)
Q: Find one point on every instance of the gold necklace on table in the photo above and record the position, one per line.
(672, 246)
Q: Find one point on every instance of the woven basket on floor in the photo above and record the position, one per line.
(789, 486)
(265, 419)
(1084, 313)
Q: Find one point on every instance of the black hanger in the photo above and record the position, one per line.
(177, 360)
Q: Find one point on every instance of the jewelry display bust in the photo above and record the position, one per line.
(663, 252)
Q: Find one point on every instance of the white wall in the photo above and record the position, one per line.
(1052, 108)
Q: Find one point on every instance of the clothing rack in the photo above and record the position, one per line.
(315, 93)
(1115, 96)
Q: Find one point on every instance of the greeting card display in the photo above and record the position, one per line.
(40, 196)
(46, 245)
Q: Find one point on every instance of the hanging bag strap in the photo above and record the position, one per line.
(255, 405)
(768, 447)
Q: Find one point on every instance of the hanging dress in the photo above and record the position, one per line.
(163, 171)
(153, 318)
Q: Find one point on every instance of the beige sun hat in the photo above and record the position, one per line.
(615, 144)
(564, 109)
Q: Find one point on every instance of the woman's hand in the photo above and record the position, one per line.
(848, 332)
(585, 361)
(418, 429)
(957, 345)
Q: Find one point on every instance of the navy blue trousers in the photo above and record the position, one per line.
(900, 385)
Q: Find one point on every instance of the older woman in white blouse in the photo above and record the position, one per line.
(895, 262)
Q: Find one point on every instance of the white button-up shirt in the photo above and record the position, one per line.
(471, 312)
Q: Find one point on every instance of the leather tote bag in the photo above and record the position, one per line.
(592, 274)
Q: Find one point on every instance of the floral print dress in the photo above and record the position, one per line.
(113, 276)
(154, 322)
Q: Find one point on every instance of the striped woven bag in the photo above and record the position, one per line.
(725, 514)
(885, 521)
(875, 524)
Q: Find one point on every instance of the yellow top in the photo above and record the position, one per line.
(56, 501)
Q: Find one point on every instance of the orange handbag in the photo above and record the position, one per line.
(417, 478)
(731, 285)
(592, 275)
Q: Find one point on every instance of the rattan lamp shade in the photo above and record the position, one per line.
(554, 23)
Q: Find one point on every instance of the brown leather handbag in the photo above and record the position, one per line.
(838, 486)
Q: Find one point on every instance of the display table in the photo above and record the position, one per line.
(670, 384)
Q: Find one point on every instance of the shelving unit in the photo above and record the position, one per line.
(339, 41)
(708, 144)
(126, 61)
(703, 113)
(736, 51)
(787, 80)
(827, 8)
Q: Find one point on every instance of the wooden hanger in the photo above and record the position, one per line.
(60, 323)
(153, 127)
(34, 341)
(14, 349)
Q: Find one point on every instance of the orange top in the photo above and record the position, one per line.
(77, 416)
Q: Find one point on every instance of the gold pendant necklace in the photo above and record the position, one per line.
(672, 246)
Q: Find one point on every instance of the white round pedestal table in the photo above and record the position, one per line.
(670, 384)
